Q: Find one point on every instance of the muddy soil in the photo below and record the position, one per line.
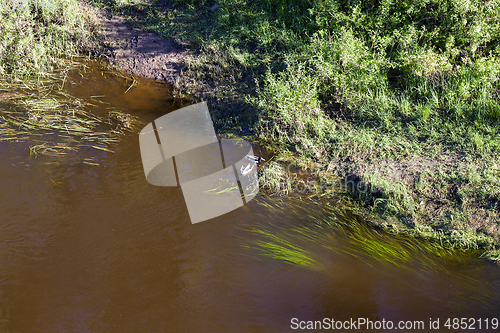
(139, 52)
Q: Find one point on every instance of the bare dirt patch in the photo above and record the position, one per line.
(139, 52)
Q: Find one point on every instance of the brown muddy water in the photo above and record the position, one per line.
(95, 248)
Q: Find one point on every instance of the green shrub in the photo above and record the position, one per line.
(290, 111)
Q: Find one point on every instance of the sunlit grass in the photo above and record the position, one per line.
(38, 36)
(405, 93)
(40, 41)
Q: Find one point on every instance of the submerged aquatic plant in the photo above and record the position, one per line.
(55, 122)
(283, 249)
(315, 244)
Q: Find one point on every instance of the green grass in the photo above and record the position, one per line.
(40, 42)
(402, 95)
(37, 34)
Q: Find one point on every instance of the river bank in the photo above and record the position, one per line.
(412, 130)
(415, 136)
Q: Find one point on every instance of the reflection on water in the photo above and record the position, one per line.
(97, 249)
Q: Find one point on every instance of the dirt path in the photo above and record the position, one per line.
(139, 52)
